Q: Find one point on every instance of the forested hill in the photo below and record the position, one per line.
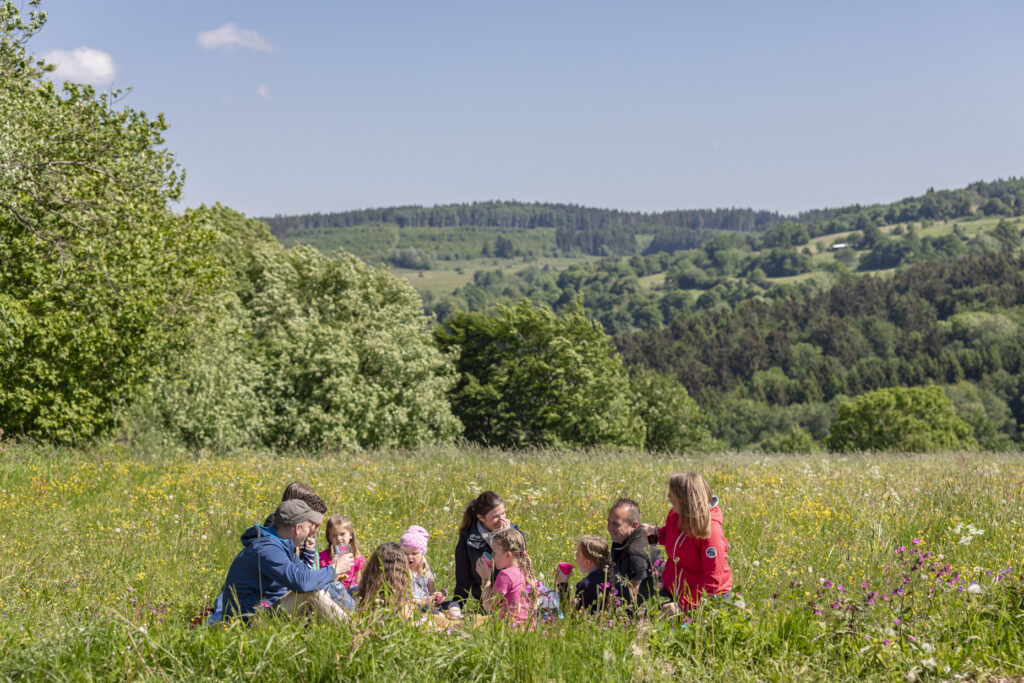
(764, 367)
(609, 231)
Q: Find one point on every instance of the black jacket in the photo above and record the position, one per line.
(592, 592)
(631, 561)
(468, 550)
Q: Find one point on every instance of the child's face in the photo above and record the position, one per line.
(339, 536)
(503, 559)
(414, 557)
(585, 565)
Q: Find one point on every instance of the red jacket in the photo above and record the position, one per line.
(695, 565)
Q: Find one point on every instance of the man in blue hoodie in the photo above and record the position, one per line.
(267, 572)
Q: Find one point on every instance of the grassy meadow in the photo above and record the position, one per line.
(876, 566)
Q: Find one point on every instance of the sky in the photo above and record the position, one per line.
(331, 105)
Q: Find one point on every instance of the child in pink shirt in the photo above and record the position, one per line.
(514, 592)
(341, 538)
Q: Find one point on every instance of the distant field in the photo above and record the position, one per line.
(456, 253)
(445, 278)
(874, 566)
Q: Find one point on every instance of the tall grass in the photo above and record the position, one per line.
(107, 555)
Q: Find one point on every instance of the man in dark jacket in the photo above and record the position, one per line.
(631, 559)
(267, 572)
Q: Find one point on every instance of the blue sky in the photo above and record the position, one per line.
(646, 105)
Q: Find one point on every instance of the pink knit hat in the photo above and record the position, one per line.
(415, 537)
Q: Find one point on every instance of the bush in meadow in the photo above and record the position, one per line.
(908, 419)
(529, 377)
(673, 422)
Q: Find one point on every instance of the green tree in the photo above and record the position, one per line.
(914, 419)
(99, 280)
(528, 377)
(796, 440)
(673, 422)
(308, 350)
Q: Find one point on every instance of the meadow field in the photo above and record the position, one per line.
(876, 566)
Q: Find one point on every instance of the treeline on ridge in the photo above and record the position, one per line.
(588, 230)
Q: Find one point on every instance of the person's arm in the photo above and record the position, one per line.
(713, 564)
(636, 571)
(277, 565)
(463, 572)
(309, 556)
(491, 594)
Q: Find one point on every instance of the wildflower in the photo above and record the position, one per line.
(974, 588)
(916, 541)
(901, 549)
(896, 621)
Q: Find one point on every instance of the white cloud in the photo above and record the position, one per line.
(82, 65)
(264, 91)
(230, 36)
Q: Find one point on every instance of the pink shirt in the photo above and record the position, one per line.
(347, 580)
(511, 585)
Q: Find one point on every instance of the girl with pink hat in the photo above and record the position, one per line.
(414, 543)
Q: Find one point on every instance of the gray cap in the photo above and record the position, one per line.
(292, 512)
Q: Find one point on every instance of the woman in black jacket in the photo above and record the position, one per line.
(484, 516)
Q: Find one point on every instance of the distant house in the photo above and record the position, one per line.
(838, 245)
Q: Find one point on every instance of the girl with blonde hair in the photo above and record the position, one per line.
(514, 591)
(696, 550)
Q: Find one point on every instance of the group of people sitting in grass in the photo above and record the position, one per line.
(279, 566)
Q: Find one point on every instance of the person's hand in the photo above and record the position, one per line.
(669, 609)
(343, 563)
(310, 542)
(483, 569)
(648, 530)
(437, 596)
(503, 524)
(560, 577)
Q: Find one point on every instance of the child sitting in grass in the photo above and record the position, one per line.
(341, 539)
(386, 581)
(414, 545)
(696, 550)
(514, 592)
(592, 592)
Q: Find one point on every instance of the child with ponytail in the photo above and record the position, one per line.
(593, 558)
(514, 591)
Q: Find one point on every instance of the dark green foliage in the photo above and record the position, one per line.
(673, 422)
(411, 257)
(932, 323)
(530, 378)
(907, 419)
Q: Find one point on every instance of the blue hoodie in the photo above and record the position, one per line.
(266, 569)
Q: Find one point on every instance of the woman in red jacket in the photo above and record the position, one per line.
(696, 552)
